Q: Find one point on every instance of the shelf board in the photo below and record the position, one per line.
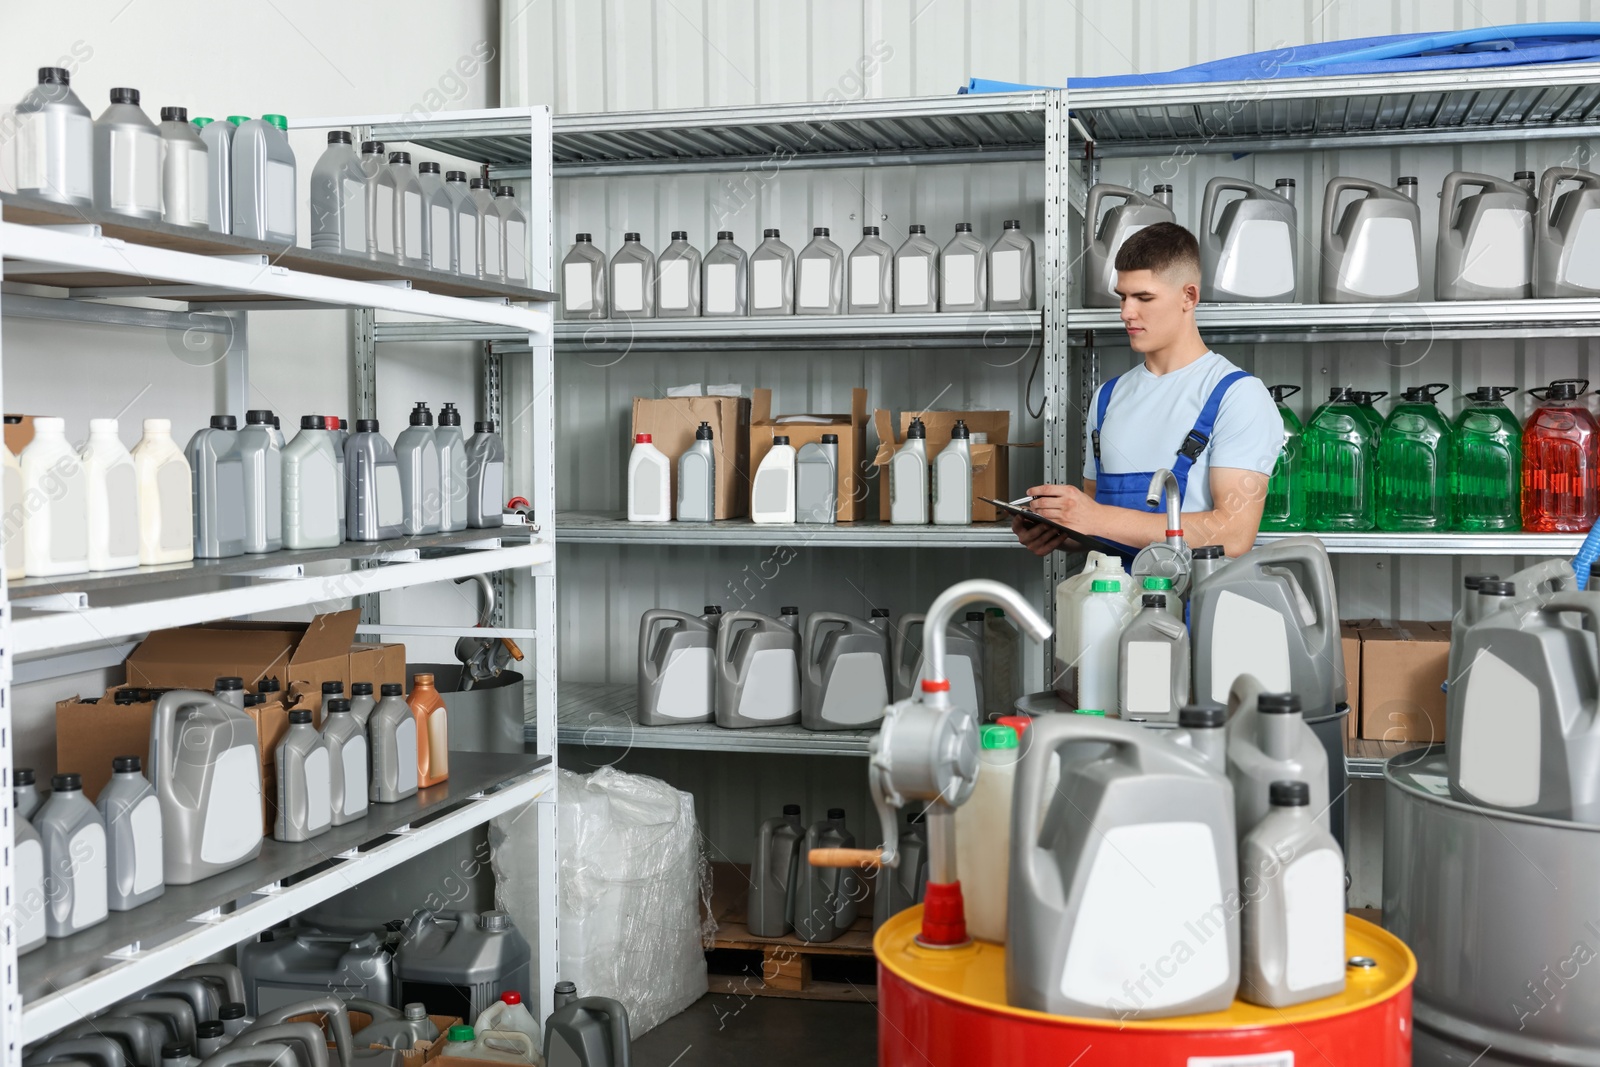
(606, 715)
(51, 613)
(1018, 333)
(1446, 320)
(1381, 543)
(613, 528)
(65, 980)
(1366, 759)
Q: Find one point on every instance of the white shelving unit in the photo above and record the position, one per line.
(54, 627)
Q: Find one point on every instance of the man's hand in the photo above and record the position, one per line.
(1066, 504)
(1036, 537)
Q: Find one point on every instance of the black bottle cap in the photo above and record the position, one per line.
(1161, 189)
(124, 764)
(819, 231)
(176, 1050)
(344, 424)
(703, 433)
(1011, 224)
(1474, 581)
(224, 422)
(780, 439)
(269, 685)
(1281, 182)
(1208, 552)
(584, 239)
(1408, 180)
(277, 423)
(391, 689)
(788, 609)
(421, 416)
(1497, 588)
(208, 1029)
(1342, 392)
(340, 137)
(712, 609)
(366, 426)
(974, 616)
(959, 431)
(483, 427)
(1521, 175)
(254, 699)
(22, 775)
(455, 176)
(360, 689)
(313, 422)
(1278, 703)
(1289, 794)
(228, 684)
(258, 417)
(336, 706)
(769, 233)
(477, 183)
(1280, 393)
(916, 227)
(299, 716)
(1202, 716)
(835, 813)
(869, 231)
(963, 227)
(174, 114)
(724, 235)
(1489, 394)
(399, 157)
(66, 783)
(428, 167)
(124, 96)
(680, 235)
(791, 809)
(231, 1010)
(125, 696)
(916, 430)
(54, 76)
(880, 613)
(830, 438)
(448, 415)
(372, 148)
(334, 689)
(1153, 600)
(565, 988)
(505, 190)
(630, 236)
(1566, 388)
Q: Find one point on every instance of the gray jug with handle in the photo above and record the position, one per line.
(758, 669)
(844, 677)
(1132, 855)
(1269, 741)
(205, 763)
(1134, 213)
(770, 910)
(1485, 245)
(587, 1032)
(963, 659)
(677, 667)
(1567, 235)
(1373, 251)
(1248, 250)
(826, 899)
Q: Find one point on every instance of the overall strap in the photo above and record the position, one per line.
(1103, 401)
(1199, 437)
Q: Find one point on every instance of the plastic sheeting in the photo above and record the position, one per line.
(635, 890)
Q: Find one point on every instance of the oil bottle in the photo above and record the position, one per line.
(871, 275)
(304, 781)
(1286, 490)
(132, 816)
(916, 283)
(55, 142)
(678, 279)
(772, 876)
(819, 276)
(346, 740)
(74, 839)
(1486, 463)
(725, 283)
(633, 279)
(392, 735)
(1414, 463)
(1559, 457)
(1339, 454)
(433, 731)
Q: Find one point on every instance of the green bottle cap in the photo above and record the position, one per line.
(278, 121)
(1158, 583)
(996, 736)
(1090, 711)
(998, 613)
(459, 1033)
(201, 121)
(1105, 585)
(238, 120)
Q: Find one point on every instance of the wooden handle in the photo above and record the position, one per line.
(844, 857)
(511, 647)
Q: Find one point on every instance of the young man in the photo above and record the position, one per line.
(1185, 408)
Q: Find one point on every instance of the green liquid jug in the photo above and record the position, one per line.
(1340, 449)
(1367, 401)
(1414, 463)
(1285, 509)
(1486, 463)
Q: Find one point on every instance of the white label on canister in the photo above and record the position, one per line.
(1500, 255)
(766, 290)
(516, 251)
(911, 279)
(1149, 673)
(196, 189)
(31, 903)
(1248, 638)
(467, 252)
(280, 199)
(1313, 900)
(1582, 267)
(353, 195)
(857, 689)
(1258, 260)
(353, 761)
(960, 278)
(1152, 904)
(684, 691)
(144, 825)
(383, 215)
(77, 134)
(771, 686)
(232, 807)
(439, 236)
(411, 203)
(122, 511)
(578, 290)
(627, 287)
(405, 746)
(1501, 727)
(388, 486)
(721, 280)
(865, 290)
(1254, 1059)
(1005, 273)
(674, 286)
(86, 851)
(319, 789)
(815, 275)
(1381, 259)
(33, 152)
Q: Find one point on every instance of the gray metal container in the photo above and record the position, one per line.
(770, 911)
(219, 516)
(486, 477)
(758, 669)
(1153, 664)
(697, 479)
(218, 137)
(771, 276)
(1373, 250)
(916, 273)
(459, 963)
(489, 717)
(1485, 245)
(587, 1032)
(583, 281)
(1011, 269)
(819, 276)
(1248, 250)
(55, 142)
(725, 278)
(205, 763)
(339, 198)
(416, 451)
(678, 279)
(466, 227)
(73, 839)
(296, 965)
(827, 900)
(844, 672)
(185, 171)
(132, 815)
(453, 486)
(392, 740)
(964, 272)
(1135, 212)
(305, 807)
(346, 740)
(438, 218)
(127, 159)
(816, 480)
(1566, 246)
(261, 457)
(871, 276)
(633, 280)
(373, 510)
(677, 669)
(27, 878)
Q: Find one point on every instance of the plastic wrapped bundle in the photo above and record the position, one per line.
(634, 890)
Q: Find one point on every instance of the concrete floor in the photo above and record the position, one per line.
(724, 1029)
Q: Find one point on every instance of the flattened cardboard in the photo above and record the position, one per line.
(672, 421)
(851, 428)
(991, 462)
(377, 663)
(1403, 666)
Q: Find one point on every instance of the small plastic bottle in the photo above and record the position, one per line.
(952, 479)
(24, 792)
(871, 275)
(438, 215)
(382, 196)
(304, 781)
(433, 731)
(772, 277)
(583, 280)
(311, 488)
(678, 279)
(127, 159)
(339, 198)
(649, 482)
(262, 459)
(963, 272)
(633, 284)
(772, 489)
(14, 525)
(408, 213)
(486, 477)
(265, 202)
(416, 451)
(218, 137)
(514, 227)
(57, 531)
(132, 815)
(916, 275)
(346, 739)
(73, 837)
(373, 507)
(491, 236)
(465, 226)
(361, 702)
(185, 170)
(697, 479)
(1011, 270)
(27, 880)
(725, 283)
(113, 499)
(55, 142)
(820, 276)
(214, 459)
(908, 478)
(392, 737)
(453, 487)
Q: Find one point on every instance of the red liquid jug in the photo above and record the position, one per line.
(1559, 460)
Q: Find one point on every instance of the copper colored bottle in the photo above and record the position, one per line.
(433, 731)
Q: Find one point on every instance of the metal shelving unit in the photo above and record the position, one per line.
(88, 259)
(605, 715)
(1018, 330)
(613, 528)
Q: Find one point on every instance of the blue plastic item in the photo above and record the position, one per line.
(1588, 552)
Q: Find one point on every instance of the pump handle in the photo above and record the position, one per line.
(845, 857)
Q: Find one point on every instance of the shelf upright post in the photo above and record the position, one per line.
(1060, 420)
(10, 992)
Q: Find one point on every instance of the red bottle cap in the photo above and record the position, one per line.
(1019, 723)
(930, 685)
(641, 438)
(511, 998)
(331, 422)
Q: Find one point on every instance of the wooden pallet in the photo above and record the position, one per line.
(783, 966)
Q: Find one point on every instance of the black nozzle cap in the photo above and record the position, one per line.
(455, 175)
(1161, 189)
(780, 439)
(54, 76)
(788, 609)
(429, 167)
(1011, 224)
(124, 96)
(916, 429)
(125, 764)
(680, 235)
(1153, 600)
(483, 427)
(176, 1050)
(1289, 794)
(332, 689)
(66, 783)
(313, 422)
(336, 705)
(963, 227)
(791, 809)
(174, 114)
(252, 699)
(703, 433)
(366, 426)
(478, 183)
(449, 416)
(269, 685)
(391, 689)
(819, 231)
(835, 813)
(1208, 552)
(724, 235)
(713, 609)
(299, 716)
(22, 776)
(258, 417)
(1408, 180)
(340, 137)
(421, 416)
(399, 157)
(1202, 716)
(631, 235)
(344, 424)
(769, 233)
(371, 147)
(869, 231)
(1278, 703)
(224, 422)
(505, 190)
(1284, 181)
(565, 988)
(830, 438)
(880, 613)
(360, 689)
(1341, 392)
(209, 1028)
(231, 1010)
(1521, 174)
(228, 684)
(916, 227)
(959, 430)
(1474, 581)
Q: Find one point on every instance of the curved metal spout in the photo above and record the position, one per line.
(1165, 480)
(952, 600)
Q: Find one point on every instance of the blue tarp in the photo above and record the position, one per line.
(1497, 46)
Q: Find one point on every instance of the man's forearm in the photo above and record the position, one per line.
(1140, 528)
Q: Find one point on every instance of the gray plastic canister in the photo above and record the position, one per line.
(826, 899)
(587, 1032)
(770, 912)
(458, 963)
(305, 807)
(1566, 241)
(132, 815)
(1372, 251)
(92, 1050)
(416, 451)
(844, 670)
(219, 496)
(55, 142)
(1485, 244)
(438, 218)
(185, 170)
(296, 965)
(74, 851)
(24, 792)
(127, 159)
(261, 456)
(339, 198)
(465, 225)
(264, 191)
(373, 506)
(758, 669)
(1269, 741)
(1135, 212)
(677, 669)
(816, 480)
(396, 1029)
(486, 477)
(583, 281)
(346, 740)
(725, 284)
(218, 137)
(819, 276)
(27, 876)
(392, 739)
(1248, 249)
(205, 764)
(677, 279)
(453, 486)
(697, 479)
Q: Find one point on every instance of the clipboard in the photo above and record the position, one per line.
(1035, 518)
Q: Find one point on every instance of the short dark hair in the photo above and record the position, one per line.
(1163, 248)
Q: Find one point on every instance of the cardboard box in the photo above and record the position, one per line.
(852, 431)
(377, 663)
(991, 462)
(1403, 667)
(301, 655)
(1350, 642)
(19, 432)
(671, 423)
(412, 1057)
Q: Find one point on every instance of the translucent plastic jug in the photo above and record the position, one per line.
(871, 275)
(166, 501)
(1340, 458)
(1413, 469)
(54, 142)
(1135, 212)
(127, 159)
(772, 276)
(1248, 249)
(1268, 741)
(916, 281)
(1132, 853)
(396, 1029)
(1485, 247)
(678, 279)
(132, 815)
(964, 272)
(433, 731)
(1285, 508)
(185, 169)
(983, 834)
(772, 490)
(113, 497)
(676, 668)
(56, 532)
(205, 763)
(1100, 618)
(1560, 456)
(633, 280)
(509, 1013)
(844, 680)
(74, 853)
(758, 669)
(819, 274)
(1486, 463)
(725, 281)
(770, 910)
(1372, 250)
(649, 482)
(1567, 235)
(583, 280)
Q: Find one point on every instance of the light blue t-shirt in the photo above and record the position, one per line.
(1150, 416)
